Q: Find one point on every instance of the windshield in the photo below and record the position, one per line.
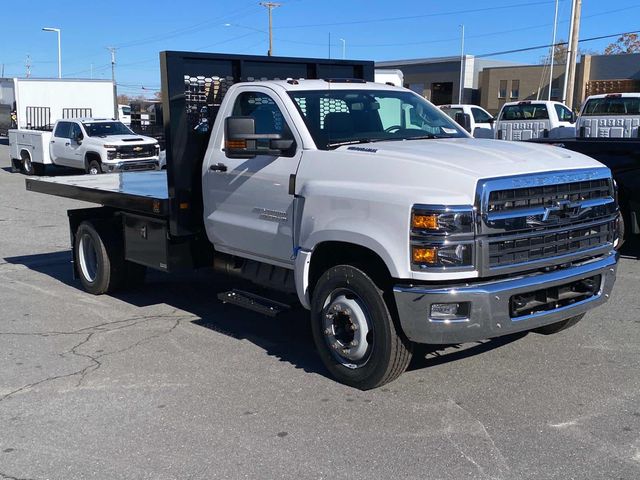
(126, 110)
(525, 111)
(612, 106)
(102, 129)
(342, 117)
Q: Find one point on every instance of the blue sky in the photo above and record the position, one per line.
(376, 30)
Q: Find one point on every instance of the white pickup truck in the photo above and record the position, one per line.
(363, 201)
(93, 145)
(476, 120)
(613, 115)
(533, 119)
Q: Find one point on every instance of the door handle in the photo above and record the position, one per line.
(67, 144)
(220, 167)
(52, 141)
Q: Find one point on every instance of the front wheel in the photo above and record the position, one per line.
(354, 331)
(94, 167)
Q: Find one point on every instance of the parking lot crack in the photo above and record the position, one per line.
(10, 477)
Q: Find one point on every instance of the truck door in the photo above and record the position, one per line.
(60, 139)
(247, 206)
(483, 127)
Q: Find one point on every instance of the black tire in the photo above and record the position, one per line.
(388, 351)
(94, 167)
(99, 259)
(558, 326)
(26, 166)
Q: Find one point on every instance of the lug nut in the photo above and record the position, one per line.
(327, 331)
(347, 311)
(353, 327)
(354, 343)
(345, 351)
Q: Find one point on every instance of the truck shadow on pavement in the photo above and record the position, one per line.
(287, 337)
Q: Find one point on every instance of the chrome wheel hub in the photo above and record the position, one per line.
(346, 328)
(88, 258)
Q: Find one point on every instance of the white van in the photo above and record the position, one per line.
(481, 121)
(615, 115)
(532, 119)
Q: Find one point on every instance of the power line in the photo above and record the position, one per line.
(425, 15)
(539, 47)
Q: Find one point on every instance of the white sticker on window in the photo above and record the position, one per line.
(450, 131)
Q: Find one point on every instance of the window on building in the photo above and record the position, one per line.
(502, 91)
(515, 89)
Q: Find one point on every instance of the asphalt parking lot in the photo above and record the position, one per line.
(167, 383)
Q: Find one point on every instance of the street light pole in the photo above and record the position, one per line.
(553, 49)
(57, 30)
(461, 90)
(113, 80)
(344, 48)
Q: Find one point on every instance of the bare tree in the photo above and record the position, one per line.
(560, 53)
(626, 43)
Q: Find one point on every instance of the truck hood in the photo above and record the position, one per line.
(478, 158)
(439, 170)
(126, 139)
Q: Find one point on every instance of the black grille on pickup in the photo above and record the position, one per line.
(544, 196)
(549, 244)
(135, 151)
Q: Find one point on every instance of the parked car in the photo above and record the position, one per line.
(533, 119)
(615, 115)
(480, 122)
(89, 144)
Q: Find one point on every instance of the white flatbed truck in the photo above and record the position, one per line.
(363, 202)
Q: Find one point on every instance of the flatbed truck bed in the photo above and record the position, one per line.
(137, 192)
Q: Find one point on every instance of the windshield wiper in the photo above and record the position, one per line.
(351, 142)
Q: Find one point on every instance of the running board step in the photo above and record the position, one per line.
(253, 302)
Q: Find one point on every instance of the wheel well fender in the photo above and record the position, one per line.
(91, 156)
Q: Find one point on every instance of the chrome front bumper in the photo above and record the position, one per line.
(489, 313)
(132, 165)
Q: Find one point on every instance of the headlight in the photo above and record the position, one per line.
(442, 237)
(109, 146)
(446, 221)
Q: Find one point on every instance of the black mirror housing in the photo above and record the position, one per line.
(242, 141)
(464, 120)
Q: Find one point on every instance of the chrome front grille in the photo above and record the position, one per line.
(539, 220)
(549, 244)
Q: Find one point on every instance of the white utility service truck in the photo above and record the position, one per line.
(363, 202)
(475, 120)
(93, 145)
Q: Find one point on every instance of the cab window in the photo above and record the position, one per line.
(525, 112)
(267, 116)
(564, 114)
(63, 130)
(480, 116)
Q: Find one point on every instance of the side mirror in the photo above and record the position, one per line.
(242, 141)
(464, 120)
(574, 117)
(78, 138)
(492, 120)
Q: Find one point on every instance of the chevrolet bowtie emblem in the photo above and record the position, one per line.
(562, 209)
(137, 149)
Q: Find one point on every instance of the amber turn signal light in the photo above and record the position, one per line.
(236, 144)
(425, 255)
(424, 222)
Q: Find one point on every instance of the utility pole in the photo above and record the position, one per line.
(553, 49)
(344, 48)
(270, 6)
(461, 89)
(572, 54)
(113, 80)
(27, 64)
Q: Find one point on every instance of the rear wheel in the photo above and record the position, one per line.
(99, 261)
(26, 164)
(354, 331)
(558, 326)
